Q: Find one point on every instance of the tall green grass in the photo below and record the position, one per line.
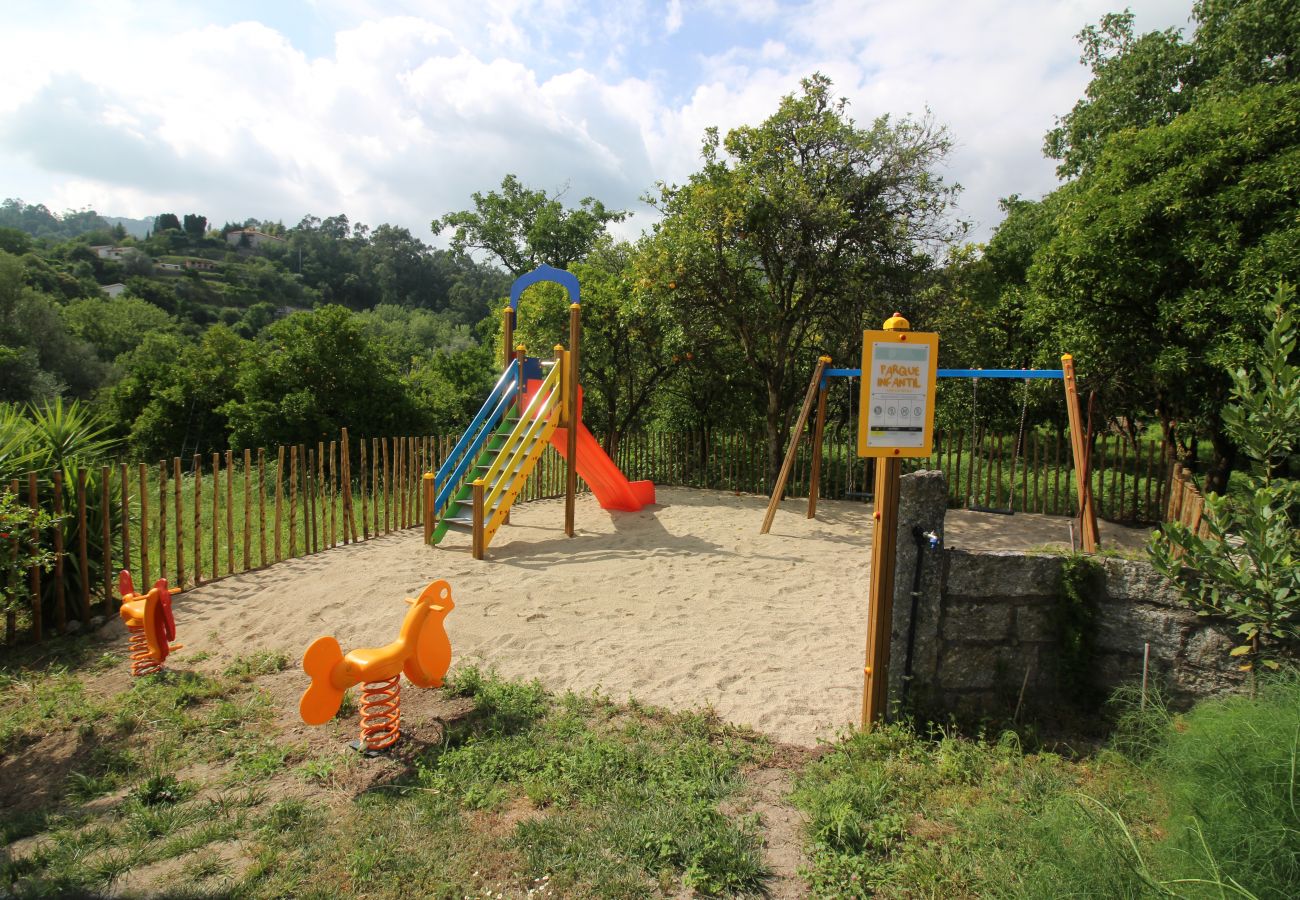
(1196, 805)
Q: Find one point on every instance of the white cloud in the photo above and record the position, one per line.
(142, 108)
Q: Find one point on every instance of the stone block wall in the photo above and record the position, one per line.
(991, 624)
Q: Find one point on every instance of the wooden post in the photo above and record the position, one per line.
(779, 488)
(261, 507)
(83, 545)
(349, 524)
(330, 486)
(293, 501)
(815, 479)
(1078, 444)
(198, 519)
(279, 500)
(60, 602)
(230, 512)
(507, 337)
(178, 505)
(126, 516)
(11, 615)
(361, 485)
(143, 575)
(216, 515)
(105, 499)
(477, 546)
(388, 489)
(34, 573)
(880, 595)
(162, 518)
(427, 481)
(573, 368)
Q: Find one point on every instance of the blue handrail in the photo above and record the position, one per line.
(1016, 374)
(453, 467)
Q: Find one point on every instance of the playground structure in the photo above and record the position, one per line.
(817, 396)
(422, 652)
(149, 621)
(534, 403)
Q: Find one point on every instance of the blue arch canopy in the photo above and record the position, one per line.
(540, 274)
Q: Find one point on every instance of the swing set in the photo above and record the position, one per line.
(818, 388)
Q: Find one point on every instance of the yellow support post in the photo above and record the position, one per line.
(477, 546)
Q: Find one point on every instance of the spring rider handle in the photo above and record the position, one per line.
(422, 651)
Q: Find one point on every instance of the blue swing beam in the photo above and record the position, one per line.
(1018, 374)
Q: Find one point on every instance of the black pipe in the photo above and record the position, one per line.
(921, 538)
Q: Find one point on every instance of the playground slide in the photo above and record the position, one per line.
(605, 479)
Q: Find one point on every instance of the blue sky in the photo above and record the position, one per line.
(397, 111)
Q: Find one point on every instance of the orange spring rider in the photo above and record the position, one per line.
(149, 621)
(422, 651)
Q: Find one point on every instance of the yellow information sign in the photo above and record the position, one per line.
(896, 413)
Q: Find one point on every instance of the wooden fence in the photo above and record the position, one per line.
(242, 510)
(1186, 504)
(1130, 481)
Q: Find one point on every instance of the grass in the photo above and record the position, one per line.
(1195, 805)
(528, 794)
(192, 778)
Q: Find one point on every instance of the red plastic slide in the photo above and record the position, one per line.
(605, 479)
(603, 476)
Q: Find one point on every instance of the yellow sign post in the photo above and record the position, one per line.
(899, 371)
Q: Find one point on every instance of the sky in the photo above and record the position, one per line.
(399, 110)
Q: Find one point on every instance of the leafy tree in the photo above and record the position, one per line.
(39, 358)
(172, 392)
(166, 222)
(38, 221)
(1143, 276)
(1248, 568)
(631, 342)
(448, 387)
(523, 228)
(114, 326)
(310, 374)
(776, 243)
(14, 241)
(195, 226)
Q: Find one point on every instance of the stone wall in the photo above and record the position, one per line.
(990, 624)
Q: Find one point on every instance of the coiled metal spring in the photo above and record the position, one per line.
(381, 714)
(138, 645)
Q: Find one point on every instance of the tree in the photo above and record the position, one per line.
(523, 228)
(39, 358)
(631, 343)
(1248, 568)
(172, 392)
(166, 222)
(310, 374)
(114, 326)
(778, 243)
(195, 226)
(1143, 276)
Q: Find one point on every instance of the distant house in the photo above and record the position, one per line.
(251, 237)
(108, 251)
(203, 265)
(113, 290)
(168, 267)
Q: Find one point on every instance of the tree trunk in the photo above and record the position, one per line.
(776, 436)
(1225, 459)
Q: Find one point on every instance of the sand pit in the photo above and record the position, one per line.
(682, 605)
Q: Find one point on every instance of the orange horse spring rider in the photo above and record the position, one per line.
(149, 621)
(422, 651)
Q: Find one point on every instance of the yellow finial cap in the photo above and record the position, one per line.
(896, 322)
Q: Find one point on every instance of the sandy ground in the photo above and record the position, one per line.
(683, 604)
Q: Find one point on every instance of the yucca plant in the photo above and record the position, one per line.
(17, 452)
(64, 438)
